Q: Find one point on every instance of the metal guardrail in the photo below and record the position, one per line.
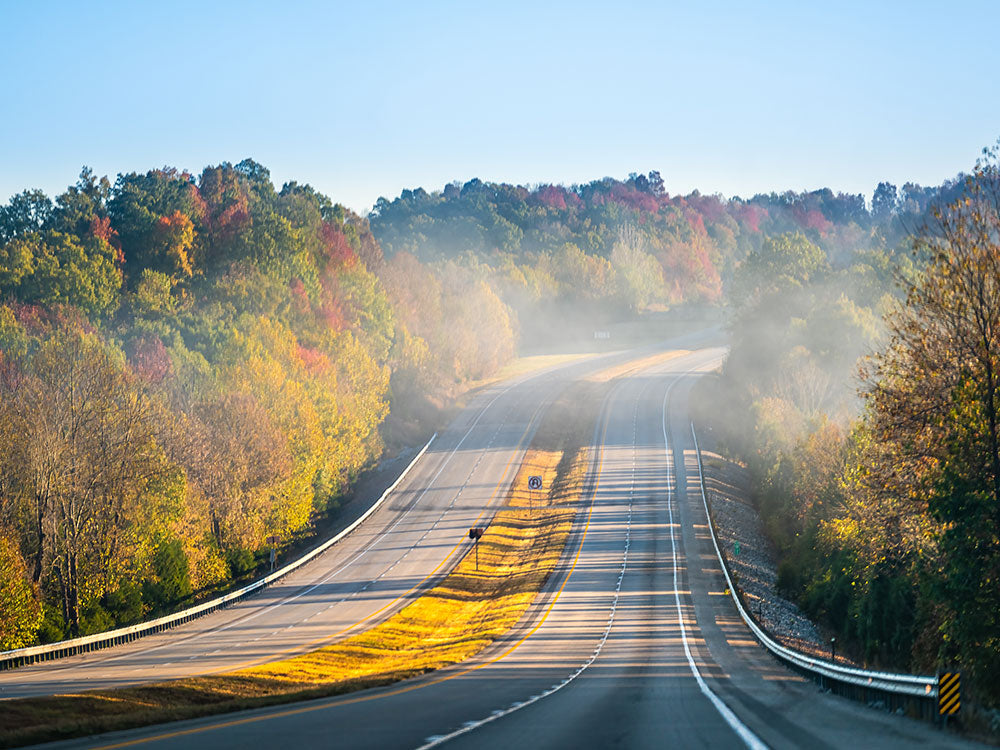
(912, 694)
(22, 656)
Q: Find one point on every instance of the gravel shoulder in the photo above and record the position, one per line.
(752, 559)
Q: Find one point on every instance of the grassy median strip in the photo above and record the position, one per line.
(459, 617)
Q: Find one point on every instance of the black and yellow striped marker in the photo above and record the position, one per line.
(949, 693)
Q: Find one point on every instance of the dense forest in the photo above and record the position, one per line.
(192, 364)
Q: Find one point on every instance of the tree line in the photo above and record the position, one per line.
(611, 248)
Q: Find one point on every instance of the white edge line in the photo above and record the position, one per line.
(741, 729)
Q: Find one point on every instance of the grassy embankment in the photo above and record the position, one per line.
(449, 623)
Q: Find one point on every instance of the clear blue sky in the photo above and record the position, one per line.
(364, 99)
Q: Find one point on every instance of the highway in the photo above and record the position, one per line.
(632, 644)
(408, 544)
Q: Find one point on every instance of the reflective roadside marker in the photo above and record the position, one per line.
(949, 693)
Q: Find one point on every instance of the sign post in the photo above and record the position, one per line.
(475, 534)
(273, 540)
(534, 483)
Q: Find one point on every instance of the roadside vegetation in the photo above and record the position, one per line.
(863, 400)
(189, 366)
(469, 609)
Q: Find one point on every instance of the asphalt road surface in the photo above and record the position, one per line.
(632, 644)
(408, 544)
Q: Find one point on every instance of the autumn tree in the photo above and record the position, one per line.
(240, 457)
(22, 613)
(158, 216)
(173, 238)
(94, 482)
(640, 276)
(934, 396)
